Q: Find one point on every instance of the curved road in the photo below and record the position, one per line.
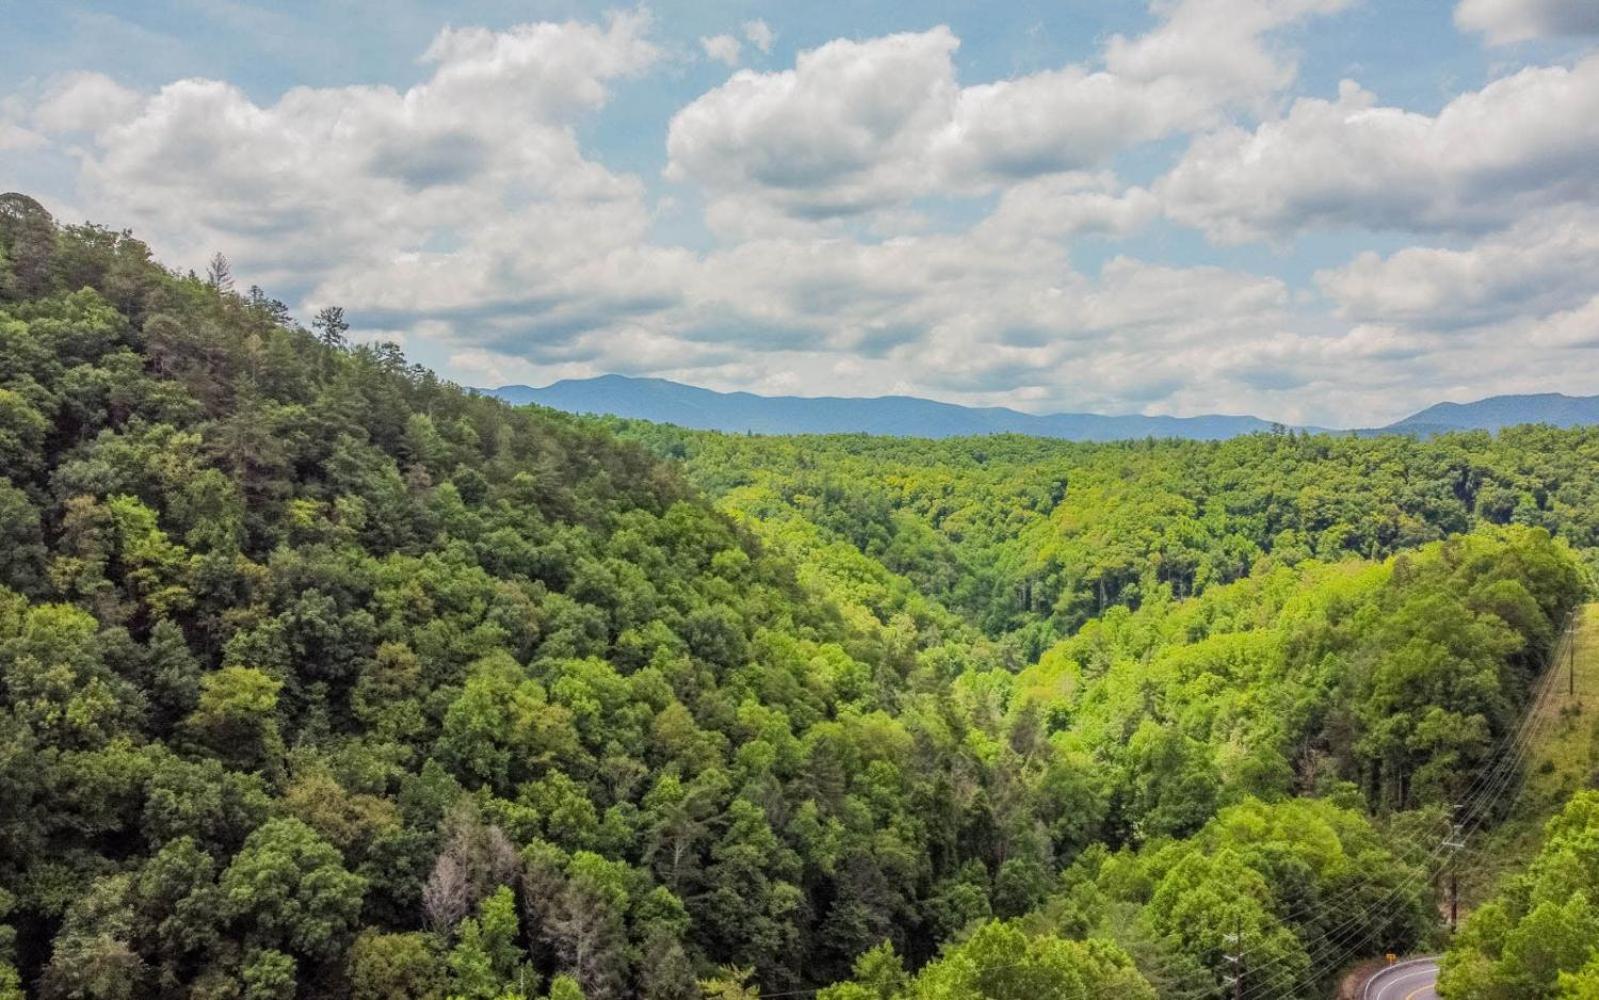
(1412, 980)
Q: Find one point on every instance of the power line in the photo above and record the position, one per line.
(1481, 796)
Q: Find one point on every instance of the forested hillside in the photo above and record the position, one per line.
(322, 678)
(1031, 537)
(1537, 937)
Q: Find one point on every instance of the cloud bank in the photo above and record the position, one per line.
(876, 223)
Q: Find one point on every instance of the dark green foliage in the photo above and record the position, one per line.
(320, 677)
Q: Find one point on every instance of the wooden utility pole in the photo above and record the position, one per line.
(1454, 844)
(1571, 645)
(1454, 898)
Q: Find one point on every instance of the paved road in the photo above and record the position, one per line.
(1412, 980)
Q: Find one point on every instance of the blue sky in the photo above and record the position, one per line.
(1330, 211)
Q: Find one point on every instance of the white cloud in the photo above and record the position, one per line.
(861, 126)
(1489, 157)
(722, 48)
(1515, 311)
(468, 190)
(464, 215)
(839, 133)
(1576, 328)
(759, 34)
(16, 111)
(544, 70)
(84, 102)
(1541, 266)
(1062, 205)
(1505, 21)
(16, 138)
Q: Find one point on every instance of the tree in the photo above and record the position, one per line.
(219, 274)
(395, 967)
(564, 987)
(171, 675)
(269, 975)
(585, 922)
(93, 956)
(288, 889)
(236, 718)
(331, 327)
(1002, 962)
(447, 896)
(487, 961)
(1173, 781)
(22, 550)
(57, 681)
(1536, 937)
(730, 984)
(28, 241)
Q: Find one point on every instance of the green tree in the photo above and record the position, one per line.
(288, 889)
(395, 967)
(236, 718)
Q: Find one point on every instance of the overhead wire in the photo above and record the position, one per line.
(1471, 814)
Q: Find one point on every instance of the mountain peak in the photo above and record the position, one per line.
(1494, 412)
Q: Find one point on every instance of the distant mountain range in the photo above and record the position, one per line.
(664, 401)
(1503, 411)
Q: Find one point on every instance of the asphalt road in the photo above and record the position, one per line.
(1412, 980)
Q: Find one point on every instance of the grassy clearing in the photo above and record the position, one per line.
(1563, 759)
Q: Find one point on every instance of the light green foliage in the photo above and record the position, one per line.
(236, 717)
(57, 680)
(322, 677)
(1003, 962)
(288, 888)
(93, 957)
(1537, 937)
(564, 987)
(1294, 878)
(487, 961)
(269, 975)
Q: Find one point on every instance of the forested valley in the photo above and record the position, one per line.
(322, 677)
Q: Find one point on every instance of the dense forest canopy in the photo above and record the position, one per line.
(1032, 536)
(1536, 938)
(321, 677)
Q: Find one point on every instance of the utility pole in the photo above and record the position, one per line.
(1571, 645)
(1453, 844)
(1236, 959)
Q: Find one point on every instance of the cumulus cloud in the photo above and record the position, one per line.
(84, 102)
(759, 34)
(860, 126)
(15, 137)
(1067, 205)
(468, 190)
(960, 317)
(1505, 21)
(464, 215)
(1514, 311)
(1540, 266)
(1489, 157)
(837, 134)
(722, 48)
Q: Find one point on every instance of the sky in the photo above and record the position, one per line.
(1316, 211)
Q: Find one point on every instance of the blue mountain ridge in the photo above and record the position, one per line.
(664, 401)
